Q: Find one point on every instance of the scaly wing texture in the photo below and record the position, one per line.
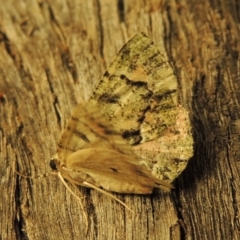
(168, 155)
(90, 150)
(138, 94)
(138, 91)
(88, 128)
(112, 171)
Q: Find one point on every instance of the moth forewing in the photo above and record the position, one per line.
(138, 75)
(112, 171)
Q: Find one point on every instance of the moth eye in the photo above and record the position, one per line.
(53, 164)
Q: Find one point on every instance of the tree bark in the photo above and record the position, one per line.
(52, 55)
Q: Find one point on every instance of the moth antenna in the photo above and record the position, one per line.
(77, 197)
(38, 176)
(106, 193)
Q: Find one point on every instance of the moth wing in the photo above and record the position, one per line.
(171, 150)
(138, 72)
(114, 171)
(88, 128)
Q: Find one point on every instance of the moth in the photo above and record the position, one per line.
(95, 150)
(91, 153)
(138, 95)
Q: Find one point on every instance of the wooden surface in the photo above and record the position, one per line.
(52, 55)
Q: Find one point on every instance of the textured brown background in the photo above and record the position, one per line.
(52, 55)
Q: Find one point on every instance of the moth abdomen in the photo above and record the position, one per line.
(126, 187)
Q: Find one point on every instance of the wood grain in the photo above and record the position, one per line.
(52, 55)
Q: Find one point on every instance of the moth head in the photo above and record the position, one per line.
(54, 162)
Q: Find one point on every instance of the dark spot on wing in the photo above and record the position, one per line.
(139, 83)
(163, 96)
(74, 119)
(109, 98)
(122, 76)
(121, 10)
(81, 135)
(106, 74)
(139, 172)
(107, 130)
(124, 53)
(114, 169)
(132, 135)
